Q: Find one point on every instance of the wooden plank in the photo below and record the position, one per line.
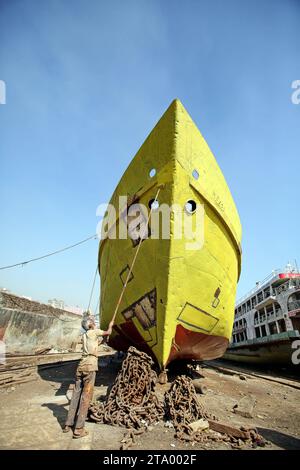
(22, 362)
(228, 429)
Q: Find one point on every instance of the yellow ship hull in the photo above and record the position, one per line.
(179, 302)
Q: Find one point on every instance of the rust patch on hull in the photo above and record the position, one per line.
(196, 345)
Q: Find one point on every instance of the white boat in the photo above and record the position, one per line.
(267, 320)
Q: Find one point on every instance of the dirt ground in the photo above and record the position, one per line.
(32, 414)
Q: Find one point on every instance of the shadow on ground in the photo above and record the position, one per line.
(64, 375)
(59, 412)
(279, 439)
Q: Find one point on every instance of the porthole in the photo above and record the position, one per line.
(152, 172)
(190, 206)
(153, 204)
(195, 174)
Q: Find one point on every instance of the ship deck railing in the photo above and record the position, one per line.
(289, 284)
(277, 337)
(268, 318)
(258, 287)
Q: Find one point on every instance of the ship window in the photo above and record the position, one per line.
(257, 332)
(153, 204)
(267, 292)
(273, 328)
(270, 311)
(296, 323)
(262, 315)
(263, 330)
(195, 174)
(190, 206)
(152, 172)
(260, 296)
(294, 301)
(277, 308)
(281, 325)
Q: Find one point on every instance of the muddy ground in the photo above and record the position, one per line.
(32, 414)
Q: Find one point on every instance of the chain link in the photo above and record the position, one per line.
(183, 408)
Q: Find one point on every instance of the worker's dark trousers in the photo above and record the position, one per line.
(81, 398)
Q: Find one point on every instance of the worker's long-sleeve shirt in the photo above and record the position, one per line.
(90, 341)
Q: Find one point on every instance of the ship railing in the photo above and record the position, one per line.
(258, 287)
(273, 316)
(267, 300)
(267, 339)
(269, 317)
(290, 284)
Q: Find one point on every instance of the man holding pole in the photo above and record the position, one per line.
(85, 377)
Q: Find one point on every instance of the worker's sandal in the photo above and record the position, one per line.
(82, 433)
(67, 428)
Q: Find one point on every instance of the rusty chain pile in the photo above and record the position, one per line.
(183, 408)
(131, 402)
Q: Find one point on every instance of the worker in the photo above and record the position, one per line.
(85, 377)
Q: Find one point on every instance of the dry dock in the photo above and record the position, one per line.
(32, 413)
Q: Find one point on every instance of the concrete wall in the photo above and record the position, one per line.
(25, 332)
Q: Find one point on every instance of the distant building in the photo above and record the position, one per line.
(57, 303)
(77, 310)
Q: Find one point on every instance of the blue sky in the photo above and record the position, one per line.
(85, 84)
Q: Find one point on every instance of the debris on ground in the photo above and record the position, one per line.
(245, 407)
(199, 425)
(199, 386)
